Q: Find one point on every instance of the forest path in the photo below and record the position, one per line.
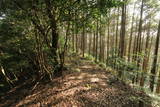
(87, 85)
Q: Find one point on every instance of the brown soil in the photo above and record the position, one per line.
(90, 87)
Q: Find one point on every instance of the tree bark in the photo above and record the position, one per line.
(55, 37)
(131, 34)
(97, 41)
(122, 33)
(139, 38)
(116, 42)
(83, 40)
(155, 61)
(145, 59)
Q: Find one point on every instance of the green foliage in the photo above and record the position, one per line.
(77, 70)
(25, 30)
(121, 64)
(128, 69)
(16, 48)
(89, 57)
(103, 65)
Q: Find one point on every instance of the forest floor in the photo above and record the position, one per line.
(84, 84)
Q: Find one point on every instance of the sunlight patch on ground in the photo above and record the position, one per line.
(71, 78)
(94, 79)
(87, 67)
(82, 76)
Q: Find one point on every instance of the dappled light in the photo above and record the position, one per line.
(79, 53)
(85, 88)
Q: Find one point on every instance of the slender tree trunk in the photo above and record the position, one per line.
(100, 41)
(83, 40)
(103, 49)
(139, 39)
(62, 54)
(116, 42)
(135, 42)
(86, 42)
(97, 41)
(55, 36)
(155, 61)
(122, 34)
(145, 59)
(131, 34)
(113, 30)
(90, 43)
(77, 48)
(108, 40)
(94, 44)
(73, 37)
(158, 85)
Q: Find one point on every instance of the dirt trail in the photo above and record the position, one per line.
(90, 86)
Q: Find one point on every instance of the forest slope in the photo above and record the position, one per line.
(85, 84)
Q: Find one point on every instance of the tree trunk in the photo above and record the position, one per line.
(76, 39)
(97, 41)
(154, 64)
(90, 43)
(145, 59)
(73, 37)
(100, 41)
(131, 34)
(94, 44)
(116, 42)
(83, 40)
(108, 40)
(122, 34)
(55, 37)
(139, 38)
(135, 42)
